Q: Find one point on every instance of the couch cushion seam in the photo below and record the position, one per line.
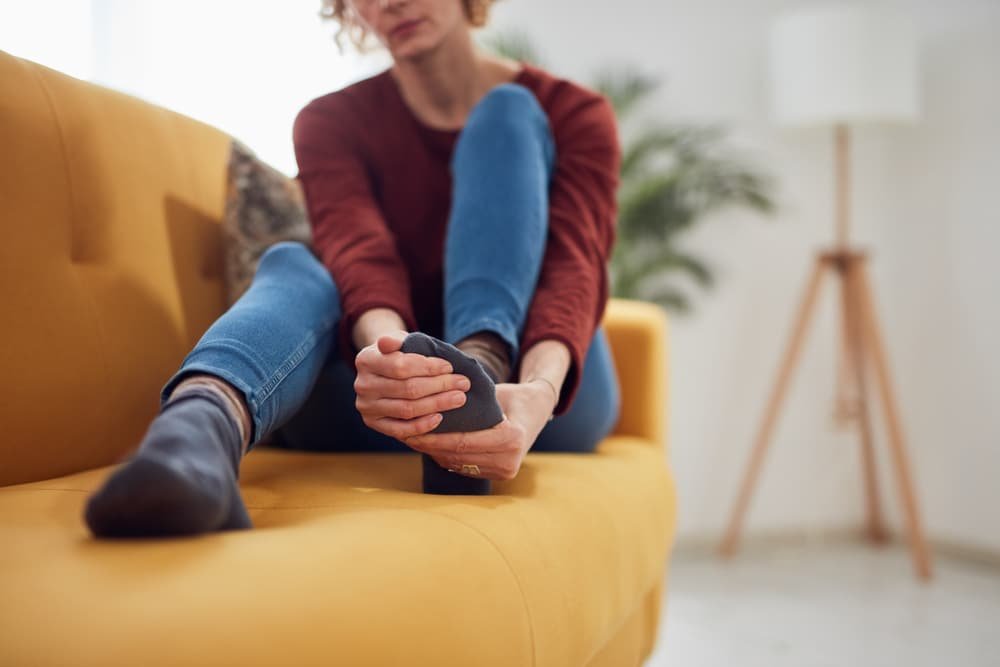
(517, 580)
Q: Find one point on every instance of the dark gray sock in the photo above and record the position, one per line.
(481, 409)
(183, 478)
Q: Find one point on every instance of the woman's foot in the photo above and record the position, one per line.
(184, 477)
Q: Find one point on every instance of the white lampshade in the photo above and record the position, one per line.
(843, 63)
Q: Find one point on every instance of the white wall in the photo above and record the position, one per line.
(56, 34)
(924, 202)
(941, 280)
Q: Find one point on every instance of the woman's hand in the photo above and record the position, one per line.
(402, 394)
(498, 451)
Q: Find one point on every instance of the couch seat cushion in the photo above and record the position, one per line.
(349, 563)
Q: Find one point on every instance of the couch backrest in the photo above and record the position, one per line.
(110, 264)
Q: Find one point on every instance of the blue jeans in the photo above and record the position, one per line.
(276, 344)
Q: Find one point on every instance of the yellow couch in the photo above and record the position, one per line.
(110, 270)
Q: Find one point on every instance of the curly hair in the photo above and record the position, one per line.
(476, 11)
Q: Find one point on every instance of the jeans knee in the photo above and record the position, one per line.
(283, 252)
(512, 110)
(297, 263)
(508, 99)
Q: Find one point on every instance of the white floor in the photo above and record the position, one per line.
(827, 604)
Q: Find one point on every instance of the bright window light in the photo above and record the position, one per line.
(243, 66)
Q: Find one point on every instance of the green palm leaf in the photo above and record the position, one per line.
(624, 88)
(514, 45)
(670, 298)
(651, 208)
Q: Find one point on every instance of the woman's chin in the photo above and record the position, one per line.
(408, 53)
(412, 48)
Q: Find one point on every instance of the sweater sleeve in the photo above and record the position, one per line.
(350, 235)
(572, 289)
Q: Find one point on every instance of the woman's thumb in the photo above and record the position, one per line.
(391, 342)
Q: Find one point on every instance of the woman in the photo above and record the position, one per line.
(465, 196)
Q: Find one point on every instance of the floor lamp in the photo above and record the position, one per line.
(839, 65)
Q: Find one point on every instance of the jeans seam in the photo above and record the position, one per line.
(189, 363)
(234, 343)
(289, 364)
(256, 397)
(223, 372)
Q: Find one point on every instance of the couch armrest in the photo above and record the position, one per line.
(637, 332)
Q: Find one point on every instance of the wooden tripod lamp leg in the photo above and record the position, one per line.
(806, 308)
(874, 526)
(845, 402)
(844, 405)
(918, 545)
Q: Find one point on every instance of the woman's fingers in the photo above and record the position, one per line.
(401, 365)
(390, 343)
(491, 466)
(402, 429)
(498, 451)
(499, 465)
(401, 394)
(401, 408)
(497, 438)
(377, 386)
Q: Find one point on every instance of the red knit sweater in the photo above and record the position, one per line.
(378, 190)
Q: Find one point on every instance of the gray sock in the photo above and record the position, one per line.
(183, 478)
(481, 409)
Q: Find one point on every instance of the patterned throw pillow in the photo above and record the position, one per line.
(263, 207)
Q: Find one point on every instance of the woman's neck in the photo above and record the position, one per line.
(442, 86)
